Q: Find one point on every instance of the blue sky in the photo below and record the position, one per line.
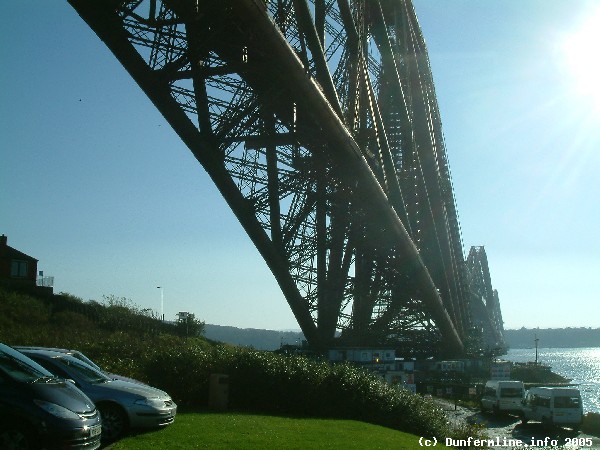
(97, 186)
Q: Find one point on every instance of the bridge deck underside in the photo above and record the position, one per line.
(318, 123)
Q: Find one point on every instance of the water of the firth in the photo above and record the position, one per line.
(581, 365)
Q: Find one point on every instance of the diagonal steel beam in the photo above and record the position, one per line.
(110, 31)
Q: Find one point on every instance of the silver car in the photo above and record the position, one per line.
(122, 404)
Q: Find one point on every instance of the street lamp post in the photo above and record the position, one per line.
(162, 302)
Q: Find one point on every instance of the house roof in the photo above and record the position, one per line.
(6, 251)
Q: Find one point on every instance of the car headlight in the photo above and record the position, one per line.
(153, 402)
(57, 410)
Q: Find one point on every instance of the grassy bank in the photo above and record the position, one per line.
(244, 431)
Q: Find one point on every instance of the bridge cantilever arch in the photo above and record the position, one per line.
(318, 122)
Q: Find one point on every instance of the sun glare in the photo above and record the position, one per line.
(582, 54)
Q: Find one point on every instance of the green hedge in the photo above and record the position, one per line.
(268, 383)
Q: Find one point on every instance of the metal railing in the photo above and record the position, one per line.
(45, 281)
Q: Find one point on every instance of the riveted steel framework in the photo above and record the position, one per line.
(485, 304)
(318, 122)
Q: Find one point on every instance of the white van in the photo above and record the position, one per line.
(502, 396)
(553, 406)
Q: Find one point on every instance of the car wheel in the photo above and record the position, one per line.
(114, 421)
(15, 438)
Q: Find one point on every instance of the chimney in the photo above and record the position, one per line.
(3, 240)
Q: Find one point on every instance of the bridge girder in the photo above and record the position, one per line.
(485, 304)
(319, 125)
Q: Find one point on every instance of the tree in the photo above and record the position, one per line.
(188, 325)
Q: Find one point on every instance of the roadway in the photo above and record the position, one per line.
(506, 427)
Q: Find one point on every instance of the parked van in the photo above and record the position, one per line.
(502, 396)
(553, 406)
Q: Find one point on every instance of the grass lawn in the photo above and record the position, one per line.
(246, 431)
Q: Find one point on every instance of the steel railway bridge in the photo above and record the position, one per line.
(318, 122)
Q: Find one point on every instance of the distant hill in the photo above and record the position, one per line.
(522, 338)
(553, 337)
(250, 337)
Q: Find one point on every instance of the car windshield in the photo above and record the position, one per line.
(511, 392)
(566, 402)
(82, 370)
(74, 353)
(85, 359)
(21, 368)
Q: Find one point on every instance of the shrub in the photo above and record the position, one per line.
(72, 320)
(23, 309)
(591, 424)
(271, 384)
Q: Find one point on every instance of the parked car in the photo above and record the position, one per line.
(38, 409)
(122, 404)
(553, 406)
(502, 396)
(79, 355)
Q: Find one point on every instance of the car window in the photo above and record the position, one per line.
(19, 367)
(543, 401)
(74, 353)
(511, 392)
(85, 359)
(566, 402)
(56, 370)
(85, 372)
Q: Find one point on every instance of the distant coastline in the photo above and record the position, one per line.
(522, 338)
(553, 337)
(251, 337)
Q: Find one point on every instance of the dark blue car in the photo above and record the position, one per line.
(39, 410)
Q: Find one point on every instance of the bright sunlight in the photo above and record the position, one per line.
(582, 53)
